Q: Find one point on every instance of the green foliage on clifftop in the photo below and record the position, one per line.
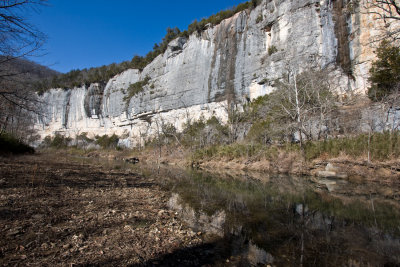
(220, 16)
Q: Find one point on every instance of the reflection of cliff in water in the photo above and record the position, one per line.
(199, 220)
(289, 220)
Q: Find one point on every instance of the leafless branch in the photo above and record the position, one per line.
(388, 12)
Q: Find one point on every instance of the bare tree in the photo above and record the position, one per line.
(18, 39)
(238, 122)
(303, 102)
(143, 134)
(160, 124)
(385, 9)
(387, 12)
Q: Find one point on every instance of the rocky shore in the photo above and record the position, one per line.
(54, 212)
(340, 168)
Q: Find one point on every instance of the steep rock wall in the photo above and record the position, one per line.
(237, 60)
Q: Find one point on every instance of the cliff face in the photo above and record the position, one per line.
(236, 60)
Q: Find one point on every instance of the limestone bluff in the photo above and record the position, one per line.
(236, 60)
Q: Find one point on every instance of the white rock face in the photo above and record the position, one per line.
(237, 60)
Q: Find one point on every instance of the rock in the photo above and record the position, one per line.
(133, 160)
(258, 256)
(383, 172)
(330, 168)
(330, 184)
(342, 175)
(196, 74)
(161, 213)
(326, 174)
(300, 209)
(332, 174)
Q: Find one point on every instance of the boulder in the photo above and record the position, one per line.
(133, 160)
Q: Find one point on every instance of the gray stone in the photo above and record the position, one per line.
(196, 76)
(330, 168)
(327, 174)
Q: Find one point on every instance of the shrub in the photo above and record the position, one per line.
(10, 144)
(272, 49)
(259, 18)
(263, 81)
(230, 152)
(255, 3)
(260, 131)
(46, 141)
(83, 136)
(213, 121)
(136, 88)
(382, 146)
(385, 72)
(192, 132)
(107, 142)
(60, 141)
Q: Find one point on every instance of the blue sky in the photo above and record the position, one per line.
(91, 33)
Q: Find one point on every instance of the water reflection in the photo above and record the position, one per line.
(198, 219)
(289, 220)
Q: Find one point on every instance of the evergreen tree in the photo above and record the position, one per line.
(385, 72)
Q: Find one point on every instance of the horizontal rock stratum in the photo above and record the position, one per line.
(237, 60)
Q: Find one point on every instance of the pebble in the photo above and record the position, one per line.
(66, 246)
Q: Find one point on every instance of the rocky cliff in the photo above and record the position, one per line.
(237, 60)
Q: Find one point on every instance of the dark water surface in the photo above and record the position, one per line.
(284, 220)
(279, 220)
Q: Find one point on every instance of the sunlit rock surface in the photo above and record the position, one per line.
(237, 60)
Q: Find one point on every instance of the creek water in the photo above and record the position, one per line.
(252, 219)
(260, 219)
